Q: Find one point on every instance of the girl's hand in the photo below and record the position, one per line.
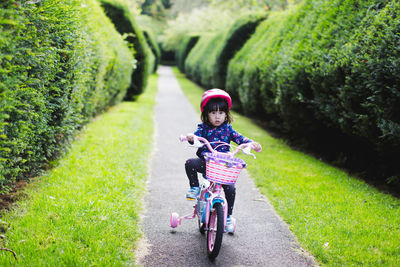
(256, 146)
(190, 137)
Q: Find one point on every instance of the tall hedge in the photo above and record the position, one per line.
(125, 24)
(330, 69)
(61, 63)
(236, 37)
(198, 63)
(152, 43)
(248, 75)
(184, 49)
(208, 61)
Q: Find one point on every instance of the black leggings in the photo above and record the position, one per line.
(195, 165)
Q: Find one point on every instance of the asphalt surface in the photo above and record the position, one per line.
(261, 237)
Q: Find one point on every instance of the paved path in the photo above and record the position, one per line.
(261, 238)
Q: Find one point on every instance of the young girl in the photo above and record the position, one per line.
(215, 106)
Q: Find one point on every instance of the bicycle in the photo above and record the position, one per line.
(211, 206)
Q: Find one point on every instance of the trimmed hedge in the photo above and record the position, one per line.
(148, 34)
(152, 61)
(208, 61)
(125, 24)
(328, 70)
(237, 36)
(244, 70)
(61, 63)
(184, 49)
(197, 63)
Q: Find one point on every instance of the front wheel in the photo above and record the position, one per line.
(215, 231)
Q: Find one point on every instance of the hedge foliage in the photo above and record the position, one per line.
(61, 63)
(125, 24)
(207, 62)
(237, 36)
(184, 49)
(327, 67)
(155, 49)
(152, 30)
(198, 62)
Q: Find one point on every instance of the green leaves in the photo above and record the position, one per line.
(327, 68)
(207, 63)
(124, 22)
(61, 62)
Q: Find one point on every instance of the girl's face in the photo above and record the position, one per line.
(217, 117)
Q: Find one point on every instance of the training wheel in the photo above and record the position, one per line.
(174, 220)
(234, 227)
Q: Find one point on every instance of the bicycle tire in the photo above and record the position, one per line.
(202, 227)
(215, 231)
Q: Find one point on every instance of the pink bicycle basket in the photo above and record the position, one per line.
(223, 169)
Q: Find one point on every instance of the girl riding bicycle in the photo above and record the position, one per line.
(216, 127)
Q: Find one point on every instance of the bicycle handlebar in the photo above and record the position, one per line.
(202, 141)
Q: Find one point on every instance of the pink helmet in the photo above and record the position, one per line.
(215, 93)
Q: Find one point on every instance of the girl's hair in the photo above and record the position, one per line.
(215, 104)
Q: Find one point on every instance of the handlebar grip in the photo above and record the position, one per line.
(258, 150)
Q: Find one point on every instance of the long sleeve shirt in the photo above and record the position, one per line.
(224, 133)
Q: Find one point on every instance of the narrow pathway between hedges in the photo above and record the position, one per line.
(261, 238)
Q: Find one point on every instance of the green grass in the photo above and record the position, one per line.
(340, 219)
(85, 211)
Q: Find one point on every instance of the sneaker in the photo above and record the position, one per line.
(230, 224)
(193, 193)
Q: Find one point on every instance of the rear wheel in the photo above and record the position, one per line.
(202, 227)
(215, 231)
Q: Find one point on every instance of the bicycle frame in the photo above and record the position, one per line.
(208, 204)
(214, 190)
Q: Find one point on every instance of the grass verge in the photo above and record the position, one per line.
(341, 220)
(85, 211)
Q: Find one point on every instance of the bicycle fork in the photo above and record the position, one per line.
(215, 197)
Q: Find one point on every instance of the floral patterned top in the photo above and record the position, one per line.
(224, 133)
